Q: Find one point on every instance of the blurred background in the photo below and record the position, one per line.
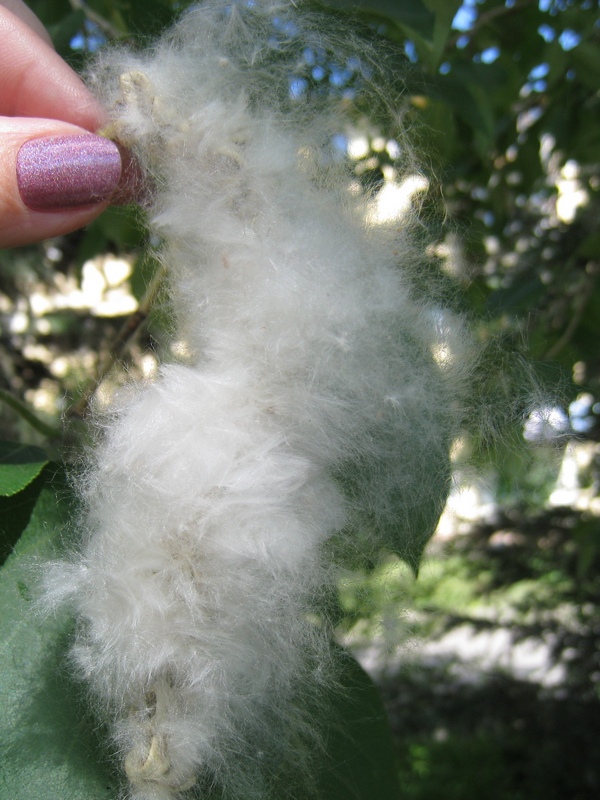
(489, 663)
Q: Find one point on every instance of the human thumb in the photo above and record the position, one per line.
(54, 178)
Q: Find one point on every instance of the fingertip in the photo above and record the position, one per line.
(133, 187)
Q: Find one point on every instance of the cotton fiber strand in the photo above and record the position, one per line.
(312, 420)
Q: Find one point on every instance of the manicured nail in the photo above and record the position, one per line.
(59, 173)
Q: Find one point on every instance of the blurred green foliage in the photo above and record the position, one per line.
(498, 683)
(502, 100)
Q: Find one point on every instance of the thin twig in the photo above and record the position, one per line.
(97, 19)
(120, 343)
(27, 414)
(580, 303)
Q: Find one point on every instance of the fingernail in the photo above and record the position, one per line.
(59, 173)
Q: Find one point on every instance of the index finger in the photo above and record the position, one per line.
(36, 82)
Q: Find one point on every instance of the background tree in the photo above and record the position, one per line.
(503, 97)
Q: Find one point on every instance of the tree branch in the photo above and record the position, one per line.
(104, 25)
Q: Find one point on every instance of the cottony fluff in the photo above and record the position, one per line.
(313, 419)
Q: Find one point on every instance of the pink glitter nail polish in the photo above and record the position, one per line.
(59, 173)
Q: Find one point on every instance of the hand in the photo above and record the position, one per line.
(55, 176)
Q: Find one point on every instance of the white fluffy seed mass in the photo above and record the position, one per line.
(312, 421)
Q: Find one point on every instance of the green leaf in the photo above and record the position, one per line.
(444, 12)
(438, 131)
(557, 61)
(413, 512)
(470, 102)
(360, 757)
(151, 17)
(122, 226)
(48, 743)
(587, 64)
(19, 465)
(15, 513)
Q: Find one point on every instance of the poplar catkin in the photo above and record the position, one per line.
(313, 418)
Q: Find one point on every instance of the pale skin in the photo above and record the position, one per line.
(40, 96)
